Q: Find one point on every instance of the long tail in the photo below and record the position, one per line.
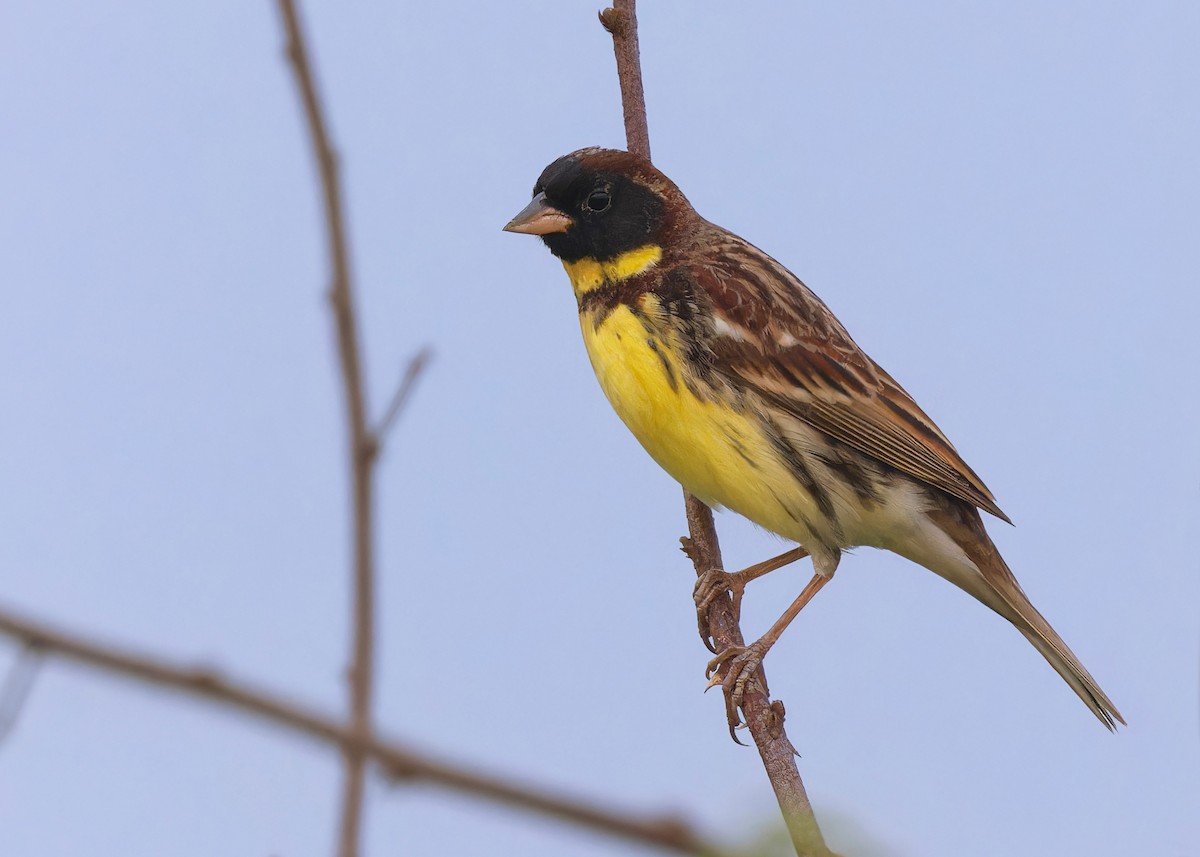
(996, 587)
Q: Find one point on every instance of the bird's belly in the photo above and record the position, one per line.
(714, 451)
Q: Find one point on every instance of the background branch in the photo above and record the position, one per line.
(397, 760)
(363, 447)
(403, 391)
(17, 686)
(764, 719)
(356, 740)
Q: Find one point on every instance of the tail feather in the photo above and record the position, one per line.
(997, 587)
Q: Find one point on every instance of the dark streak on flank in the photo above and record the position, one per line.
(740, 449)
(796, 515)
(652, 344)
(799, 468)
(842, 463)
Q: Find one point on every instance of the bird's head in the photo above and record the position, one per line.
(600, 204)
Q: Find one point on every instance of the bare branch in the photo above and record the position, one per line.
(362, 445)
(404, 390)
(764, 719)
(621, 21)
(397, 760)
(18, 684)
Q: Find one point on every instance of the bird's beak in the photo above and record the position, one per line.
(539, 218)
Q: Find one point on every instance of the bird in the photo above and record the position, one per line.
(741, 384)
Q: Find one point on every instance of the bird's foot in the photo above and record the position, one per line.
(712, 585)
(733, 669)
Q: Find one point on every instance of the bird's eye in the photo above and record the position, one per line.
(598, 200)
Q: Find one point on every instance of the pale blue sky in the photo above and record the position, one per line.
(998, 199)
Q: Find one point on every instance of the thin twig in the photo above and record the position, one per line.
(764, 719)
(399, 761)
(403, 391)
(362, 446)
(18, 684)
(621, 21)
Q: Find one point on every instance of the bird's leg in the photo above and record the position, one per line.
(714, 582)
(741, 662)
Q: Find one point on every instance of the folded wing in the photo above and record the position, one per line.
(774, 336)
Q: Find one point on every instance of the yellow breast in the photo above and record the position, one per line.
(718, 453)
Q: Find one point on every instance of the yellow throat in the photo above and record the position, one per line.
(588, 274)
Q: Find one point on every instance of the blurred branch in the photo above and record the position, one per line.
(356, 740)
(363, 446)
(18, 684)
(397, 760)
(404, 390)
(763, 718)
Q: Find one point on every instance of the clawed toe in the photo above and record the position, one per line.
(732, 669)
(710, 586)
(715, 582)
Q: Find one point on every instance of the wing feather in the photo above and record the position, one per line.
(791, 350)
